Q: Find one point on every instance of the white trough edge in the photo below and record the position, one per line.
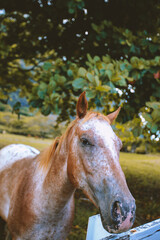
(148, 231)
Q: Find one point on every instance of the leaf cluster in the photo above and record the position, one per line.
(54, 50)
(108, 84)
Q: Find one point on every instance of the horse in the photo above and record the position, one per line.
(37, 189)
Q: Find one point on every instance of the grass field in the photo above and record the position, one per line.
(39, 143)
(143, 178)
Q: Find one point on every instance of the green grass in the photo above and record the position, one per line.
(39, 143)
(143, 177)
(145, 167)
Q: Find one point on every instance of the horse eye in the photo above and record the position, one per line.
(85, 142)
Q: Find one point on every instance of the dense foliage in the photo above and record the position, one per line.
(53, 50)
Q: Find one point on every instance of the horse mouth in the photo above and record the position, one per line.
(112, 228)
(108, 227)
(118, 226)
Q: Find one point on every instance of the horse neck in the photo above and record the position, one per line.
(56, 182)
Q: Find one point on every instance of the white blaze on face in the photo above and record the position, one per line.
(102, 130)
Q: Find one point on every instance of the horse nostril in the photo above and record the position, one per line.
(115, 210)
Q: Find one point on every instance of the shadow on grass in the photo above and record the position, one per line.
(147, 195)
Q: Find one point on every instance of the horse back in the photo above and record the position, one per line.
(15, 152)
(15, 161)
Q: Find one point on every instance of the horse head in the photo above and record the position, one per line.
(93, 167)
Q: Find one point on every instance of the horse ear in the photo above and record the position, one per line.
(82, 105)
(113, 116)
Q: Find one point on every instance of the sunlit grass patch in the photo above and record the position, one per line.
(39, 143)
(145, 167)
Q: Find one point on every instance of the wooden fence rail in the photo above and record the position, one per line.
(148, 231)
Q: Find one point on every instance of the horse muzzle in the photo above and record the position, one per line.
(120, 218)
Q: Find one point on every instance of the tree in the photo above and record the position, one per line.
(53, 50)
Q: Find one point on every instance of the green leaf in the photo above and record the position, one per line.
(52, 84)
(90, 77)
(42, 86)
(90, 94)
(71, 10)
(96, 71)
(133, 49)
(147, 117)
(42, 90)
(156, 115)
(103, 88)
(56, 77)
(46, 110)
(123, 66)
(79, 83)
(81, 4)
(47, 66)
(154, 105)
(82, 72)
(109, 74)
(149, 124)
(153, 48)
(134, 61)
(69, 73)
(154, 128)
(95, 27)
(97, 81)
(112, 86)
(106, 59)
(144, 42)
(122, 82)
(157, 59)
(110, 66)
(96, 59)
(135, 74)
(89, 58)
(55, 96)
(116, 78)
(137, 131)
(36, 103)
(41, 94)
(71, 7)
(61, 80)
(122, 41)
(103, 34)
(130, 79)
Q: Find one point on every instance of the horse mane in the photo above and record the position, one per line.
(46, 155)
(45, 158)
